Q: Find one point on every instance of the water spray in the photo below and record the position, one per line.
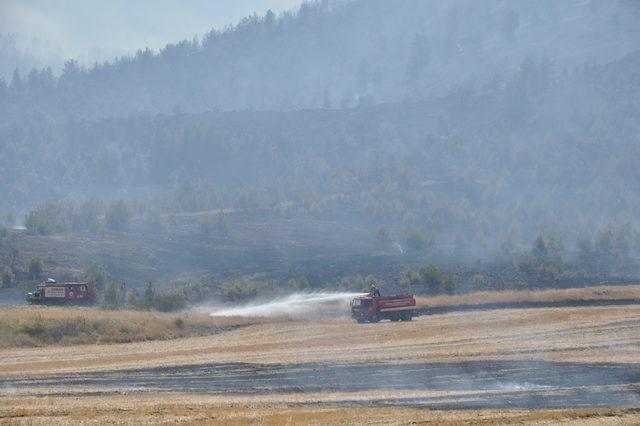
(294, 304)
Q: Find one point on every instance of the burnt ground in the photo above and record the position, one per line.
(472, 384)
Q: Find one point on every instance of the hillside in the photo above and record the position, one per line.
(539, 150)
(333, 53)
(470, 133)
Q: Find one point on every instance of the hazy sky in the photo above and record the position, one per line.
(93, 30)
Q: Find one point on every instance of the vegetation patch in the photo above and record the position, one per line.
(38, 326)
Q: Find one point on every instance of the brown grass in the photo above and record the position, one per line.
(162, 409)
(597, 334)
(601, 334)
(34, 326)
(604, 292)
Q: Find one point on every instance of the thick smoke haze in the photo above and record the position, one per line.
(457, 129)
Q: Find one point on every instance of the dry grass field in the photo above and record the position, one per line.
(540, 366)
(180, 408)
(34, 326)
(603, 292)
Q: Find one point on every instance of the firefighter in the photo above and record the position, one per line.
(373, 290)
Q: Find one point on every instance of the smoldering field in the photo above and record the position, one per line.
(495, 359)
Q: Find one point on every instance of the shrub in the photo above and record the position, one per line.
(241, 288)
(179, 323)
(409, 277)
(298, 283)
(173, 300)
(370, 280)
(436, 280)
(169, 302)
(480, 280)
(33, 327)
(417, 239)
(353, 282)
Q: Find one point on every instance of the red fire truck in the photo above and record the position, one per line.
(375, 308)
(54, 293)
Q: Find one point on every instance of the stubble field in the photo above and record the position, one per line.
(495, 365)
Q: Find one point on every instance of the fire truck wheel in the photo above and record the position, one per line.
(395, 317)
(375, 318)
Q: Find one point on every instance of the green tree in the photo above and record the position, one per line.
(97, 275)
(418, 59)
(221, 228)
(111, 296)
(509, 21)
(8, 276)
(382, 237)
(555, 248)
(153, 222)
(133, 298)
(118, 216)
(149, 293)
(46, 219)
(36, 267)
(9, 220)
(409, 277)
(4, 233)
(85, 216)
(205, 227)
(540, 251)
(418, 240)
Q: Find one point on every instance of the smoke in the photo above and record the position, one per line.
(520, 386)
(399, 247)
(9, 389)
(303, 304)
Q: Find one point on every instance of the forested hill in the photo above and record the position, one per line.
(334, 54)
(538, 149)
